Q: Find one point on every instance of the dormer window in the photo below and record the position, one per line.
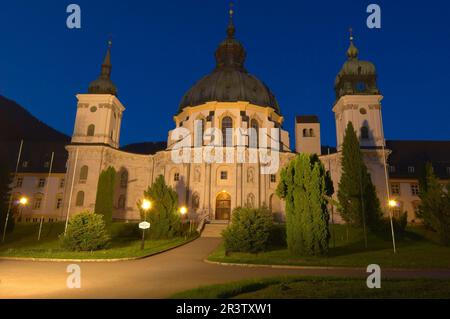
(411, 169)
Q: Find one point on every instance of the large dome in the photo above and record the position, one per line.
(230, 81)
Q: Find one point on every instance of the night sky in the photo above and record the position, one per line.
(161, 48)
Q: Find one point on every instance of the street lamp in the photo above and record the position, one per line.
(23, 201)
(146, 206)
(392, 203)
(183, 212)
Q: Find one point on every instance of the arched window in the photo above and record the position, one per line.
(227, 131)
(311, 133)
(91, 130)
(84, 174)
(124, 179)
(254, 134)
(199, 132)
(122, 202)
(80, 199)
(364, 133)
(305, 133)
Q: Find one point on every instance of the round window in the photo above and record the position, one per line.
(363, 111)
(93, 109)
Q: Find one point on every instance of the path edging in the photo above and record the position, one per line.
(315, 267)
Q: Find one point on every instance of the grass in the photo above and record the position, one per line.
(125, 243)
(321, 288)
(414, 250)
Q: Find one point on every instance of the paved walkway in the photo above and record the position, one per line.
(159, 276)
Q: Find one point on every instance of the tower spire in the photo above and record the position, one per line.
(352, 52)
(231, 29)
(104, 85)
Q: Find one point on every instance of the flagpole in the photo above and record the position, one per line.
(11, 195)
(71, 192)
(46, 194)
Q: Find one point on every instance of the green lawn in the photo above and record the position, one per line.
(125, 243)
(415, 250)
(321, 288)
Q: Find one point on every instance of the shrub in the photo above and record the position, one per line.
(85, 232)
(249, 231)
(400, 223)
(277, 236)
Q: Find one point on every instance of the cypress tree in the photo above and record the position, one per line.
(164, 218)
(357, 195)
(104, 203)
(435, 205)
(303, 186)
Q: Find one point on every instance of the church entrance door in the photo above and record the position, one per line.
(223, 206)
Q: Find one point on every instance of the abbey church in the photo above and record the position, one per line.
(229, 99)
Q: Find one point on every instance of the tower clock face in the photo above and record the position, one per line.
(361, 86)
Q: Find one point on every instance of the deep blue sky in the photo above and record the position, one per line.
(161, 48)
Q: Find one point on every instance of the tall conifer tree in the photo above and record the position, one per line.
(104, 203)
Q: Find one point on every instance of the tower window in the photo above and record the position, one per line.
(80, 199)
(84, 174)
(364, 133)
(305, 133)
(254, 131)
(311, 133)
(227, 131)
(91, 130)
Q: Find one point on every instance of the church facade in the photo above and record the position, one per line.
(234, 118)
(227, 101)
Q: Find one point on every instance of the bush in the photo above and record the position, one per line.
(85, 232)
(125, 230)
(277, 236)
(400, 223)
(249, 231)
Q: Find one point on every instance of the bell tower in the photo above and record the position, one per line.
(358, 100)
(99, 113)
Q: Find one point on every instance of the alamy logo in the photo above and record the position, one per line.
(74, 279)
(374, 279)
(374, 19)
(74, 19)
(229, 146)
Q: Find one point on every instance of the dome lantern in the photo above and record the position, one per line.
(103, 84)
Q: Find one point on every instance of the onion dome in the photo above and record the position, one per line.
(104, 85)
(230, 81)
(356, 77)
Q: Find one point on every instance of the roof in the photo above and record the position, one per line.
(36, 156)
(307, 119)
(408, 154)
(146, 148)
(230, 81)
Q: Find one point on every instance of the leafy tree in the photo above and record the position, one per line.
(164, 219)
(435, 205)
(303, 186)
(249, 231)
(104, 202)
(85, 232)
(357, 195)
(5, 182)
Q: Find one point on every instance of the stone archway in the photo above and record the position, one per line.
(223, 206)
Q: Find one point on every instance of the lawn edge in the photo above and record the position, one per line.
(96, 260)
(359, 268)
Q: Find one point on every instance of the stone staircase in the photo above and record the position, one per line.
(214, 229)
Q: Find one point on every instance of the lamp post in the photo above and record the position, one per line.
(183, 212)
(392, 204)
(146, 206)
(23, 201)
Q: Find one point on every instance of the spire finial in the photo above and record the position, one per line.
(231, 29)
(352, 52)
